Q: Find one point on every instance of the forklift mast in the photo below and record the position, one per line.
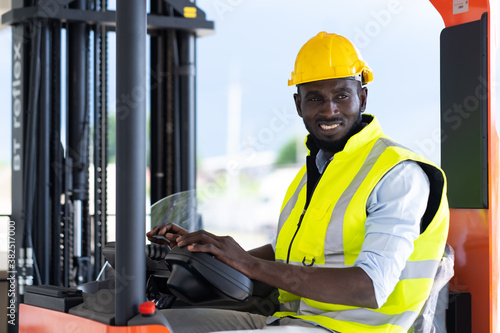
(59, 240)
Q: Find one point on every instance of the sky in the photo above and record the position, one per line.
(243, 101)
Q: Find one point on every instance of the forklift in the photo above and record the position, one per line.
(60, 246)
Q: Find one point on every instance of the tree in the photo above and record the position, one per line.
(287, 154)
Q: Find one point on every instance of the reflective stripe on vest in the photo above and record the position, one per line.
(336, 225)
(369, 318)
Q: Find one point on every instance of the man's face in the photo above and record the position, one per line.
(331, 110)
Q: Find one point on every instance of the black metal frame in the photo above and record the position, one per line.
(50, 177)
(130, 158)
(107, 18)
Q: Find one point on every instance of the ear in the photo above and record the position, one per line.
(296, 97)
(363, 97)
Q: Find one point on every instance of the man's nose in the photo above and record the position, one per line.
(330, 108)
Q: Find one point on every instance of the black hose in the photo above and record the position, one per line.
(30, 137)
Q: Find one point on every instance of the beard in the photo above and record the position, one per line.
(337, 145)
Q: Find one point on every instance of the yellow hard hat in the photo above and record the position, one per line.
(329, 56)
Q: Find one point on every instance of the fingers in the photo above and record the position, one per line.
(157, 235)
(198, 237)
(166, 233)
(156, 230)
(198, 241)
(224, 248)
(206, 248)
(163, 228)
(203, 241)
(159, 239)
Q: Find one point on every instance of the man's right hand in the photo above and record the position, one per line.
(168, 230)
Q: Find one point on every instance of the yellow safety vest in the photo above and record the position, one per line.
(332, 231)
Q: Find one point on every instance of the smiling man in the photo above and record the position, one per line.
(362, 227)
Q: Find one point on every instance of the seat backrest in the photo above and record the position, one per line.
(432, 318)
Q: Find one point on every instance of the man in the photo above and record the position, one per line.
(362, 227)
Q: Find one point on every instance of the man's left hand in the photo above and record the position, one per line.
(224, 248)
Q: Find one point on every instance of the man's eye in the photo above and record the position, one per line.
(314, 99)
(342, 96)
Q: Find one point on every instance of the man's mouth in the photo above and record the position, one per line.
(326, 127)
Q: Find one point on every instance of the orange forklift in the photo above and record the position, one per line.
(60, 247)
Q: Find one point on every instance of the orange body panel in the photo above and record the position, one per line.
(494, 219)
(33, 319)
(476, 9)
(469, 237)
(474, 232)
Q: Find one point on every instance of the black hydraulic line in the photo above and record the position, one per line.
(77, 102)
(175, 117)
(57, 160)
(172, 181)
(130, 157)
(78, 129)
(158, 124)
(42, 227)
(86, 223)
(186, 72)
(30, 157)
(84, 269)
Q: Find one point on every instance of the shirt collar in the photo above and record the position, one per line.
(322, 161)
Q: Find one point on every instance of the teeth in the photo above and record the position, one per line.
(328, 127)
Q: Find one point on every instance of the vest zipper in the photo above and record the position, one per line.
(295, 234)
(308, 200)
